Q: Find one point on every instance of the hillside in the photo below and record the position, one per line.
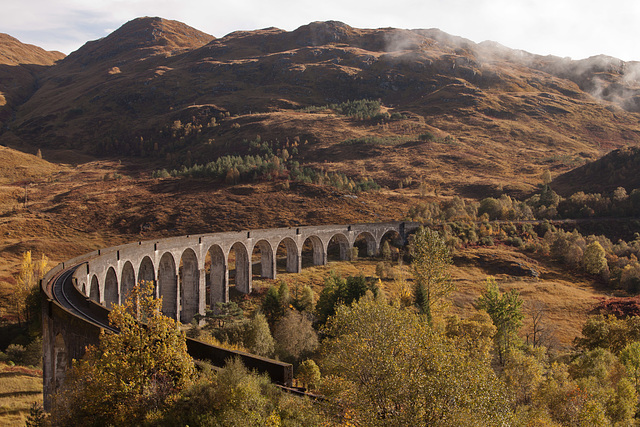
(20, 68)
(166, 92)
(619, 168)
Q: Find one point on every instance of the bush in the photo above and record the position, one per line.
(427, 136)
(15, 353)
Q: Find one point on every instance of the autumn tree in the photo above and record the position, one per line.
(630, 358)
(26, 287)
(430, 263)
(505, 310)
(235, 396)
(308, 374)
(129, 373)
(257, 336)
(594, 259)
(294, 336)
(385, 366)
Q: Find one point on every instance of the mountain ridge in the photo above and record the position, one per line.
(160, 89)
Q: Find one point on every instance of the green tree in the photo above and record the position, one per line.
(284, 296)
(309, 374)
(505, 311)
(129, 373)
(27, 285)
(385, 366)
(630, 358)
(594, 259)
(257, 336)
(430, 263)
(271, 306)
(338, 290)
(306, 302)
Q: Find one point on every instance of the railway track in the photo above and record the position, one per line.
(66, 295)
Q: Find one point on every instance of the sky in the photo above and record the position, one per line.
(565, 28)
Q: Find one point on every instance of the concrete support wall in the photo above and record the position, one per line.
(243, 268)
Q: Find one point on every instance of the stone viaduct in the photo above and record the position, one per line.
(191, 273)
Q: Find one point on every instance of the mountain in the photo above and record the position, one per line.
(619, 168)
(165, 91)
(20, 68)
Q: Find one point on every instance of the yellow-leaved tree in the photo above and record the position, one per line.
(130, 374)
(26, 287)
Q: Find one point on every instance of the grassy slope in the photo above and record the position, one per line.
(19, 389)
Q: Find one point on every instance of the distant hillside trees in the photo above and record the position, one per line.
(250, 168)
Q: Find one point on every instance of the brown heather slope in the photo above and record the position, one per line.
(20, 67)
(510, 114)
(619, 168)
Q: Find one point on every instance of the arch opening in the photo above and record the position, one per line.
(391, 245)
(239, 269)
(111, 296)
(94, 292)
(127, 281)
(146, 272)
(168, 285)
(366, 244)
(313, 252)
(189, 285)
(217, 285)
(287, 259)
(262, 261)
(338, 248)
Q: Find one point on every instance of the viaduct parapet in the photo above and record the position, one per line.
(191, 273)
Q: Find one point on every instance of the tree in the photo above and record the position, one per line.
(386, 250)
(339, 291)
(630, 358)
(430, 262)
(234, 396)
(257, 336)
(295, 336)
(594, 259)
(309, 374)
(129, 373)
(27, 284)
(271, 305)
(383, 365)
(307, 299)
(474, 334)
(505, 311)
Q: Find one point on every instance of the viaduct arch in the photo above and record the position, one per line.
(178, 268)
